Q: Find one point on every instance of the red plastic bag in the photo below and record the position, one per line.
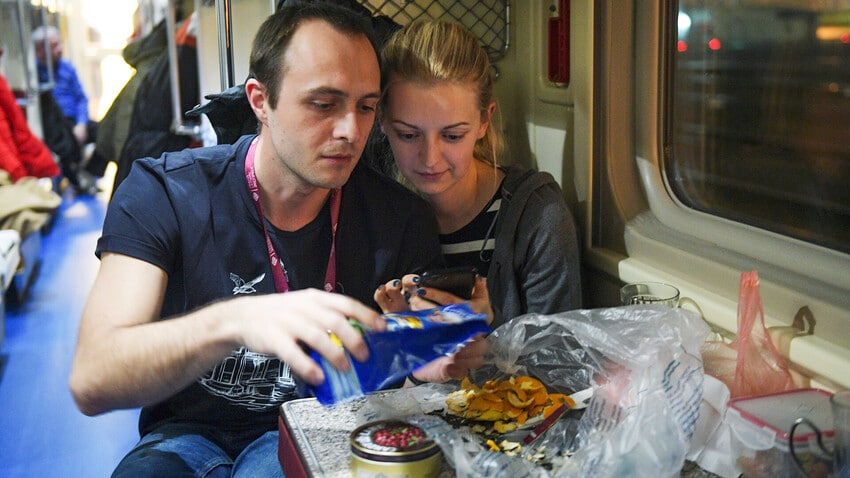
(750, 364)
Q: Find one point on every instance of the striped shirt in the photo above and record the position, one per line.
(473, 244)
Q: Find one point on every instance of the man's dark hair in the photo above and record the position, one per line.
(276, 32)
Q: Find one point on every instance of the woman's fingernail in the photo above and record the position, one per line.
(396, 283)
(406, 295)
(420, 291)
(416, 279)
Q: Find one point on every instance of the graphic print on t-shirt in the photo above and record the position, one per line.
(242, 287)
(254, 380)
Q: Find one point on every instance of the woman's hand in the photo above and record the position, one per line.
(428, 297)
(404, 294)
(469, 357)
(393, 296)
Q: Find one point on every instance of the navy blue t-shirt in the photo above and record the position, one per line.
(190, 213)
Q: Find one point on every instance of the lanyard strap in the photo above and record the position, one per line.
(280, 282)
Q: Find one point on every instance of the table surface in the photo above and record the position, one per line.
(321, 436)
(320, 432)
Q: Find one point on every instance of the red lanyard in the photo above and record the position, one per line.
(280, 282)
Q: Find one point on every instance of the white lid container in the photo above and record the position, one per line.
(761, 424)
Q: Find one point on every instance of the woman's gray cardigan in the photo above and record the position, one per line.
(535, 265)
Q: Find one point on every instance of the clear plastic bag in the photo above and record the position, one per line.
(750, 364)
(644, 365)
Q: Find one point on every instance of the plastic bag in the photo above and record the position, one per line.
(412, 339)
(643, 363)
(750, 364)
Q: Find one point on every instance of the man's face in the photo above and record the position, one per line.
(55, 49)
(326, 105)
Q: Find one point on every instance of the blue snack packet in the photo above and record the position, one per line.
(412, 339)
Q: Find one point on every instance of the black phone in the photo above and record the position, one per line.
(458, 281)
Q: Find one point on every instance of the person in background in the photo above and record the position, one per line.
(150, 130)
(183, 319)
(142, 53)
(22, 154)
(72, 101)
(510, 223)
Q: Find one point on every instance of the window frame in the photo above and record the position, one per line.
(701, 253)
(808, 263)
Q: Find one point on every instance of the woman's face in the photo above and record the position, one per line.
(432, 130)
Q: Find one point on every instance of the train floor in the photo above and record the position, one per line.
(41, 431)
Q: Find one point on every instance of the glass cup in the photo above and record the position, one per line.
(840, 403)
(649, 293)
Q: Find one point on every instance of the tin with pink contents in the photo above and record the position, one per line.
(393, 448)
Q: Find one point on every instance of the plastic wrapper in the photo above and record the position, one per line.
(412, 339)
(644, 364)
(750, 364)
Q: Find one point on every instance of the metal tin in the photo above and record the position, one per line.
(393, 449)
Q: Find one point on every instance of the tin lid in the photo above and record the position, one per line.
(391, 441)
(775, 413)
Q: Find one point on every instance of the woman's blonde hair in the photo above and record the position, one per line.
(431, 51)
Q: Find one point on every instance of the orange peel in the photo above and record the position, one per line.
(508, 403)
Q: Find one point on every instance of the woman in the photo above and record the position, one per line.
(511, 223)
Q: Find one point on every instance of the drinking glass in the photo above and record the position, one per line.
(649, 293)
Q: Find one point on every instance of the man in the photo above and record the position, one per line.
(67, 89)
(187, 230)
(71, 99)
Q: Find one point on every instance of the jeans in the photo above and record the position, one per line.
(179, 451)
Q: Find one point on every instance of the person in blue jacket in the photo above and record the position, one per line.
(68, 93)
(67, 89)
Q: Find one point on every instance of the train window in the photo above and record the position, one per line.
(760, 104)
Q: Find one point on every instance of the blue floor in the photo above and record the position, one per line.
(41, 431)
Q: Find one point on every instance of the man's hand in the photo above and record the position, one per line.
(280, 324)
(81, 133)
(126, 357)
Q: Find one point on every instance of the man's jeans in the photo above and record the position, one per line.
(171, 451)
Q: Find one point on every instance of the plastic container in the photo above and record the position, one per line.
(393, 449)
(760, 425)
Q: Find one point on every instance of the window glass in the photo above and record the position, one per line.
(760, 102)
